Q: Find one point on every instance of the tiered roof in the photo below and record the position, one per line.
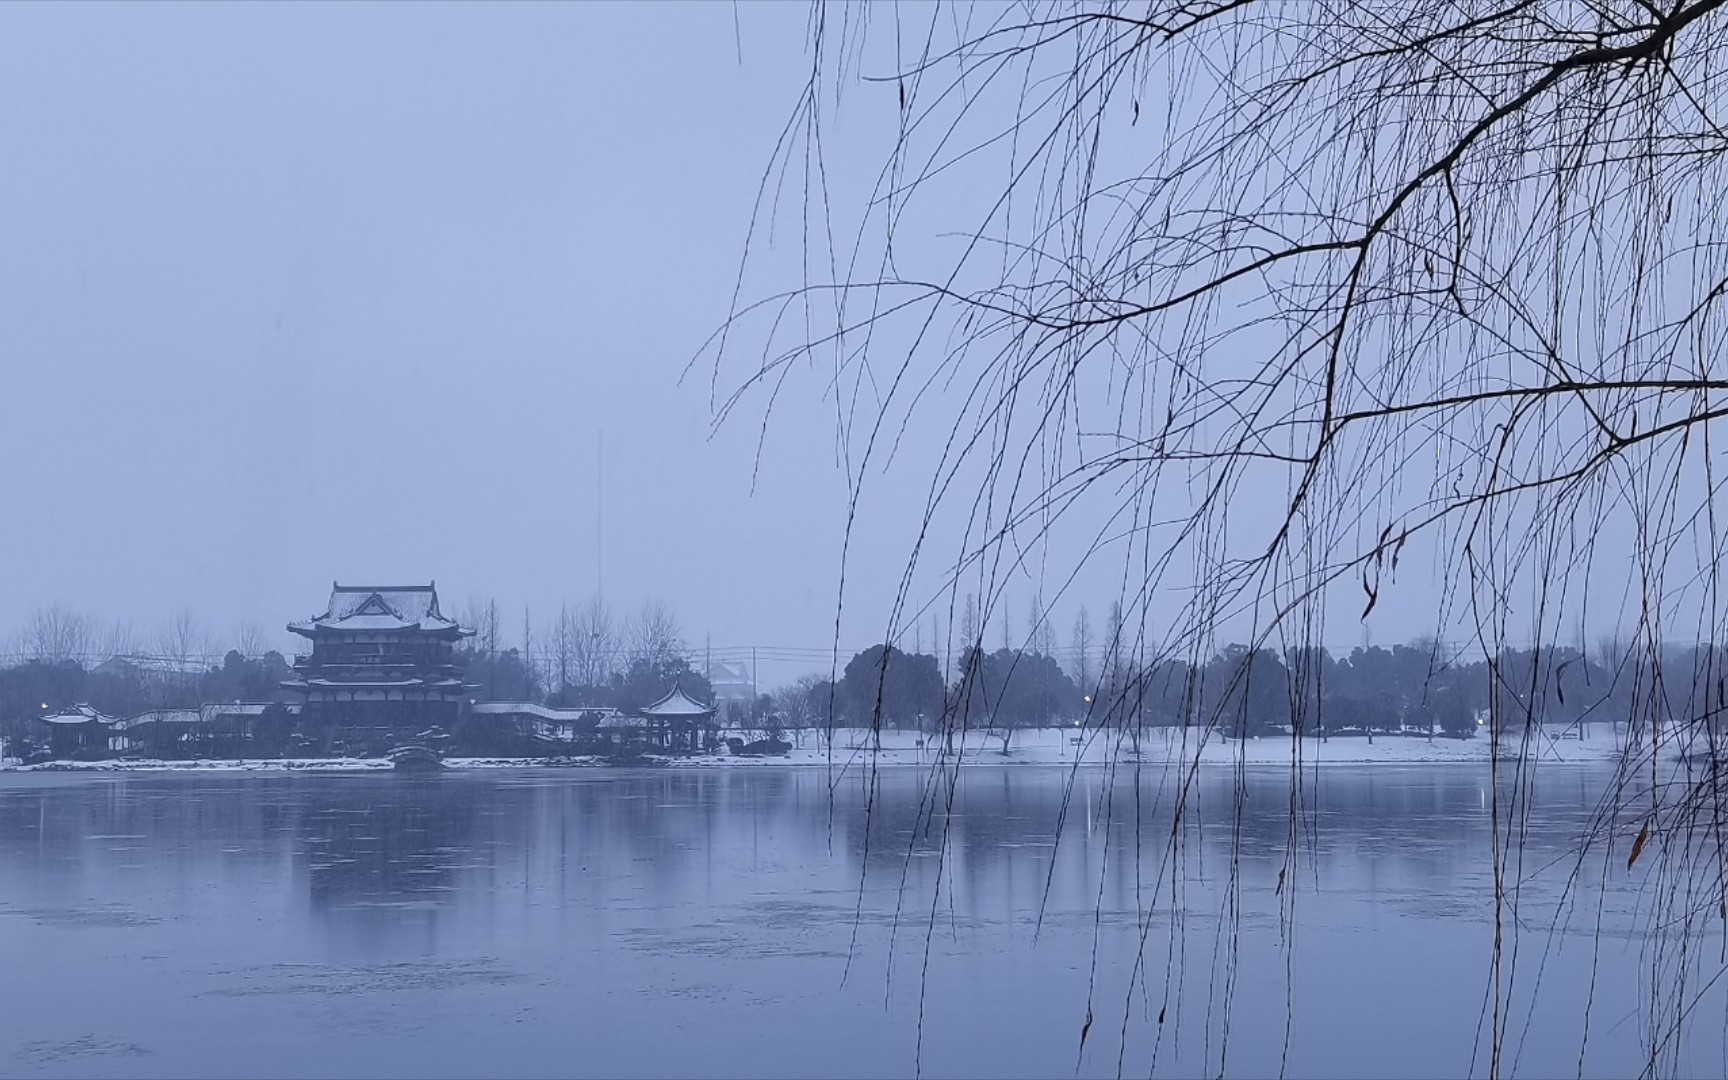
(678, 704)
(541, 712)
(79, 714)
(373, 608)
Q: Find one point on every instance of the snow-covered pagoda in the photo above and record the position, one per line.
(383, 662)
(680, 722)
(80, 731)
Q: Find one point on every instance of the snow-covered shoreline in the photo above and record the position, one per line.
(1046, 747)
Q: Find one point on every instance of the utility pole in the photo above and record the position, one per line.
(528, 674)
(600, 512)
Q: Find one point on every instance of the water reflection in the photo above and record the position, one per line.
(1010, 845)
(652, 921)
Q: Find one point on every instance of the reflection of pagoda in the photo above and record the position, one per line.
(383, 658)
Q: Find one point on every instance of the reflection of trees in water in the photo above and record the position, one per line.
(1085, 837)
(395, 851)
(166, 824)
(582, 837)
(380, 844)
(397, 840)
(620, 834)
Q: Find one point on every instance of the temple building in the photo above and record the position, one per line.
(383, 663)
(732, 683)
(79, 732)
(384, 672)
(680, 723)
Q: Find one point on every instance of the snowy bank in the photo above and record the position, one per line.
(850, 748)
(1070, 747)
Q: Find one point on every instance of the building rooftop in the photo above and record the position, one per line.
(79, 714)
(677, 703)
(541, 712)
(365, 608)
(154, 665)
(322, 683)
(204, 714)
(164, 716)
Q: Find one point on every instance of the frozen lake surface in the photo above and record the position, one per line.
(747, 922)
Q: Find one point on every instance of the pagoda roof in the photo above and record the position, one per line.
(677, 703)
(540, 712)
(370, 608)
(79, 714)
(321, 683)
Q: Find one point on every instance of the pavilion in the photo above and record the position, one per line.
(80, 731)
(681, 722)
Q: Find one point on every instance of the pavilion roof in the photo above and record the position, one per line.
(380, 607)
(79, 714)
(677, 703)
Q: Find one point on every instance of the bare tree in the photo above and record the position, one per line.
(1082, 647)
(55, 634)
(1040, 633)
(117, 640)
(182, 640)
(481, 616)
(653, 635)
(563, 647)
(533, 685)
(250, 640)
(182, 650)
(1115, 668)
(803, 704)
(594, 643)
(971, 628)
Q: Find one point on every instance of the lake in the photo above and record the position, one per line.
(788, 922)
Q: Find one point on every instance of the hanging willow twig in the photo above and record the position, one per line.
(1247, 297)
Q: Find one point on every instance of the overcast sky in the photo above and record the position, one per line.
(293, 293)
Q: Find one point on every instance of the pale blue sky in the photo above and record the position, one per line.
(297, 292)
(291, 293)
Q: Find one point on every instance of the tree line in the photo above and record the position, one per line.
(1243, 692)
(588, 656)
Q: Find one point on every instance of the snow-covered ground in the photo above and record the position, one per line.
(1070, 746)
(1046, 746)
(211, 765)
